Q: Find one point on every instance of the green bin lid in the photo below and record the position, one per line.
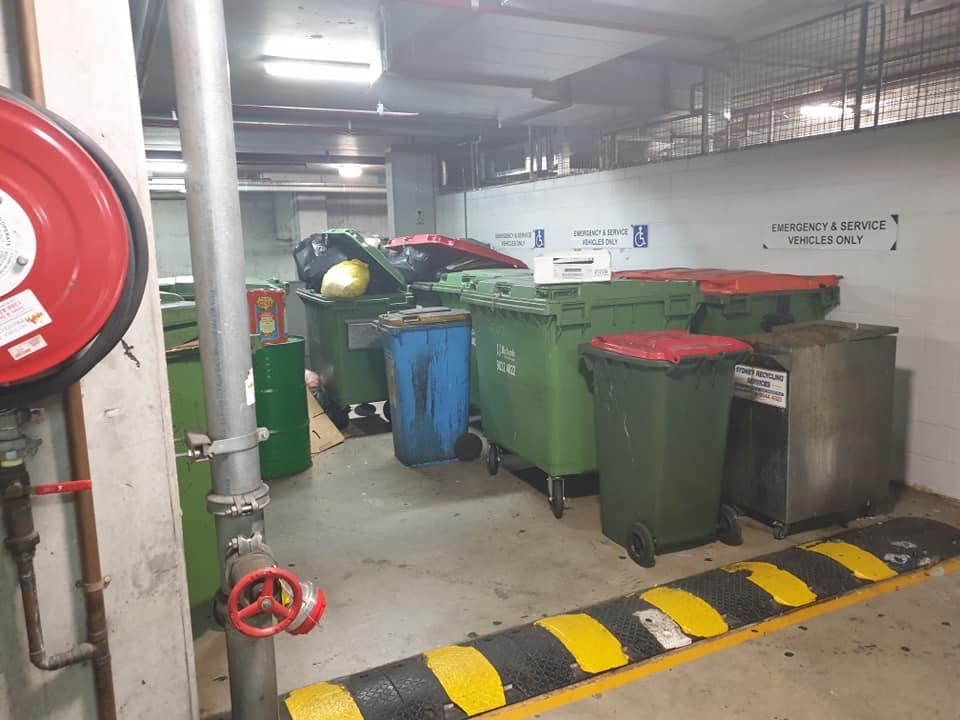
(424, 316)
(383, 276)
(457, 282)
(672, 346)
(523, 287)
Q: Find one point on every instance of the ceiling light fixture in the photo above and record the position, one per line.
(351, 172)
(163, 166)
(825, 112)
(322, 70)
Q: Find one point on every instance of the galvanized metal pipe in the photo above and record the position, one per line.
(198, 40)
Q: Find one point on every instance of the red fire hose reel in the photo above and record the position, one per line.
(72, 253)
(277, 594)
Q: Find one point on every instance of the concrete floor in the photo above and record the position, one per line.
(415, 559)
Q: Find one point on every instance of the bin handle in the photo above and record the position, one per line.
(773, 320)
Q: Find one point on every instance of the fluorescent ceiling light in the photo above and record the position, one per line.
(350, 171)
(161, 166)
(825, 112)
(322, 70)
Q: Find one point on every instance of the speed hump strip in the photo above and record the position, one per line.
(492, 673)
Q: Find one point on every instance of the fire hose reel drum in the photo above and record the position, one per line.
(65, 245)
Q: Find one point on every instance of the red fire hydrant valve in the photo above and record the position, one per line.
(269, 602)
(314, 603)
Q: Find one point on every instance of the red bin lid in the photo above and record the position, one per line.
(468, 247)
(670, 346)
(714, 281)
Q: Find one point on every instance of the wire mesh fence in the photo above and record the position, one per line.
(867, 65)
(864, 66)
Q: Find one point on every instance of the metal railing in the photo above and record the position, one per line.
(868, 65)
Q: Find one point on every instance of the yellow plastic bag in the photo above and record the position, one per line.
(346, 280)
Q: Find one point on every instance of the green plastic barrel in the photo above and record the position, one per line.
(447, 291)
(535, 396)
(282, 408)
(662, 410)
(199, 535)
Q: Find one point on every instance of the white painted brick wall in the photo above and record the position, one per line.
(714, 211)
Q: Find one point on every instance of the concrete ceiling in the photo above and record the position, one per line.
(464, 71)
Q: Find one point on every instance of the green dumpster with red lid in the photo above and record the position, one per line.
(742, 302)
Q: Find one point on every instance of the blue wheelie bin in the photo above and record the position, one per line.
(427, 352)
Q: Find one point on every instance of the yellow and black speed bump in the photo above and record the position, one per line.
(462, 681)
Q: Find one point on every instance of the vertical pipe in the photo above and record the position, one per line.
(880, 60)
(705, 115)
(861, 63)
(91, 572)
(843, 100)
(199, 44)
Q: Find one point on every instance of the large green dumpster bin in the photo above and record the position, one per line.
(281, 407)
(535, 396)
(199, 536)
(344, 342)
(179, 320)
(740, 302)
(662, 408)
(447, 291)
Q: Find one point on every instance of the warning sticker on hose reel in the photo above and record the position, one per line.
(767, 387)
(21, 315)
(18, 244)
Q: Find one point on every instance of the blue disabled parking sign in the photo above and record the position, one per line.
(641, 236)
(539, 238)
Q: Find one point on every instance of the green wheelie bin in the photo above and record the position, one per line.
(662, 408)
(344, 343)
(535, 397)
(743, 302)
(447, 291)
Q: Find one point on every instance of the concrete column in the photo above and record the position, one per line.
(411, 192)
(309, 215)
(88, 63)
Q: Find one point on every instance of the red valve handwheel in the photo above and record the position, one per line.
(266, 602)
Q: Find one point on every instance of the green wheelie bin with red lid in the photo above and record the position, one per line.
(662, 402)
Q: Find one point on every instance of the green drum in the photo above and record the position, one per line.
(282, 408)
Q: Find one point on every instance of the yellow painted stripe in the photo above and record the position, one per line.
(323, 701)
(468, 678)
(692, 614)
(858, 561)
(624, 676)
(785, 589)
(594, 647)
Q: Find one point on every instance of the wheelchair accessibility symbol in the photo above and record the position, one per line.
(539, 238)
(641, 236)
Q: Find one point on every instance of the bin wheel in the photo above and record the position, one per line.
(728, 526)
(494, 455)
(365, 410)
(386, 411)
(468, 447)
(555, 491)
(640, 546)
(779, 530)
